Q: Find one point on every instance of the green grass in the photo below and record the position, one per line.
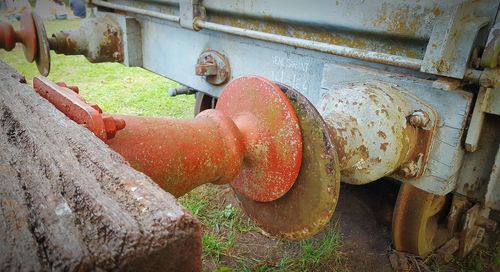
(114, 87)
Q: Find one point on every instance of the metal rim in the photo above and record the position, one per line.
(28, 32)
(419, 221)
(308, 206)
(270, 133)
(43, 55)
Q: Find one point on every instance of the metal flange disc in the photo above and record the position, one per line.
(271, 135)
(29, 36)
(308, 206)
(43, 52)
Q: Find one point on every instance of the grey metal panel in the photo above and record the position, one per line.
(476, 173)
(398, 17)
(177, 56)
(407, 18)
(451, 41)
(451, 106)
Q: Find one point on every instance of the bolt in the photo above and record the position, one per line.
(419, 119)
(206, 69)
(409, 169)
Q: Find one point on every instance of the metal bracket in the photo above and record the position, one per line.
(189, 10)
(451, 41)
(66, 99)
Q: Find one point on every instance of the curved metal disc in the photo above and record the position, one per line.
(309, 205)
(271, 134)
(43, 57)
(419, 221)
(29, 35)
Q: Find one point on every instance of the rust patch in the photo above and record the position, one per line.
(384, 146)
(314, 33)
(363, 151)
(382, 134)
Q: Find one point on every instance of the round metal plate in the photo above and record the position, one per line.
(28, 34)
(309, 205)
(43, 57)
(271, 133)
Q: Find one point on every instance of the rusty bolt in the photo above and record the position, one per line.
(419, 119)
(409, 169)
(206, 69)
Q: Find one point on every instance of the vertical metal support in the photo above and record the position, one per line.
(492, 198)
(451, 41)
(190, 10)
(476, 123)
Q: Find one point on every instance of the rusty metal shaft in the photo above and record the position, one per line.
(98, 39)
(25, 36)
(180, 155)
(253, 142)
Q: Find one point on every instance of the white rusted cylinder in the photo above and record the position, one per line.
(368, 121)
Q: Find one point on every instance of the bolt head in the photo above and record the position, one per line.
(419, 119)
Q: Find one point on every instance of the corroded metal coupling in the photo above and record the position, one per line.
(25, 36)
(378, 129)
(254, 143)
(99, 39)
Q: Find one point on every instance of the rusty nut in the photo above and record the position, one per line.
(419, 119)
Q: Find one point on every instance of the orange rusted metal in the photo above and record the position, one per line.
(26, 36)
(67, 100)
(251, 140)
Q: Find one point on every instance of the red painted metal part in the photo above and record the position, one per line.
(26, 36)
(252, 139)
(180, 155)
(67, 100)
(271, 133)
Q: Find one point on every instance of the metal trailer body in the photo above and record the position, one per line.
(424, 47)
(402, 89)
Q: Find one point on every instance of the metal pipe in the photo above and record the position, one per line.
(338, 50)
(159, 15)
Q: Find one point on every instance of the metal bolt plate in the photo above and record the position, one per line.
(214, 67)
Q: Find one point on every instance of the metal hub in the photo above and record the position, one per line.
(271, 136)
(308, 206)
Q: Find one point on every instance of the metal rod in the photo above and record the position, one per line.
(140, 11)
(343, 51)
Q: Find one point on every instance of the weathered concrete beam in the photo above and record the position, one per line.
(67, 202)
